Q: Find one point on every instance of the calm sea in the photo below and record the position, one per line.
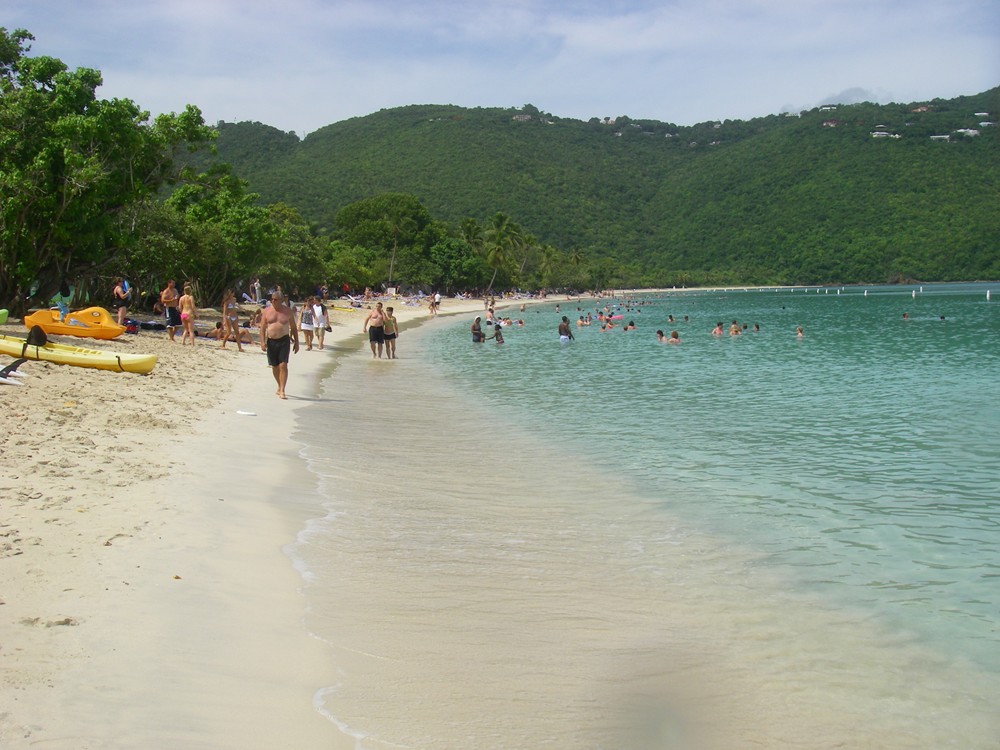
(614, 543)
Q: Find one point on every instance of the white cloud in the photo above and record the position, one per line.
(307, 63)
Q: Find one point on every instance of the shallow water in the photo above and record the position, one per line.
(616, 543)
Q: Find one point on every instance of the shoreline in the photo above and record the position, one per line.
(148, 572)
(142, 547)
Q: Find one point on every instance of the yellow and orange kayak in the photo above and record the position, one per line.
(93, 322)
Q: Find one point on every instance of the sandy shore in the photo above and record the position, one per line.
(145, 600)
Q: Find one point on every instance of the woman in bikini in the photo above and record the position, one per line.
(230, 320)
(186, 305)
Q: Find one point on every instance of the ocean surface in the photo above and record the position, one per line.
(755, 540)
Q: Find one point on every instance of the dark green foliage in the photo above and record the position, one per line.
(810, 198)
(76, 173)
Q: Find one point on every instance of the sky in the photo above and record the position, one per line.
(299, 65)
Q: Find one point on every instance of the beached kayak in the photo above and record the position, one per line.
(93, 322)
(62, 354)
(3, 316)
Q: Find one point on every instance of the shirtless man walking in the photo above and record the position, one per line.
(374, 326)
(169, 298)
(278, 335)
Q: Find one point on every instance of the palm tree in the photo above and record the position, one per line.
(472, 233)
(548, 264)
(398, 226)
(527, 246)
(502, 236)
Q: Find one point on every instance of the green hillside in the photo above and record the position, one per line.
(815, 197)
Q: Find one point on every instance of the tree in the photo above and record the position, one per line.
(502, 236)
(353, 265)
(458, 267)
(548, 265)
(399, 227)
(244, 234)
(73, 169)
(386, 222)
(296, 258)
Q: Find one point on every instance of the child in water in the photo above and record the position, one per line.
(497, 334)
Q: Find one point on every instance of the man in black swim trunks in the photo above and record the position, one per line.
(169, 298)
(374, 326)
(278, 334)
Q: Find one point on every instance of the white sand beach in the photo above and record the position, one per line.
(145, 600)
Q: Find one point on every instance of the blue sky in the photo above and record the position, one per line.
(301, 64)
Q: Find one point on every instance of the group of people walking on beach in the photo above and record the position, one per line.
(278, 322)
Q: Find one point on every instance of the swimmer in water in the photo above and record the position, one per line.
(497, 334)
(565, 334)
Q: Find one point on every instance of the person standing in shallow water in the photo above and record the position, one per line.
(374, 326)
(390, 333)
(565, 334)
(278, 335)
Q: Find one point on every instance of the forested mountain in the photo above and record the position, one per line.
(851, 193)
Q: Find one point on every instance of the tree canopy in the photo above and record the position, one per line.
(441, 197)
(826, 195)
(75, 171)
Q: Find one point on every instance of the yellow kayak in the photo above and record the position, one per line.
(94, 323)
(62, 354)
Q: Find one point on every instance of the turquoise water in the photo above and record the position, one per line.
(751, 541)
(862, 459)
